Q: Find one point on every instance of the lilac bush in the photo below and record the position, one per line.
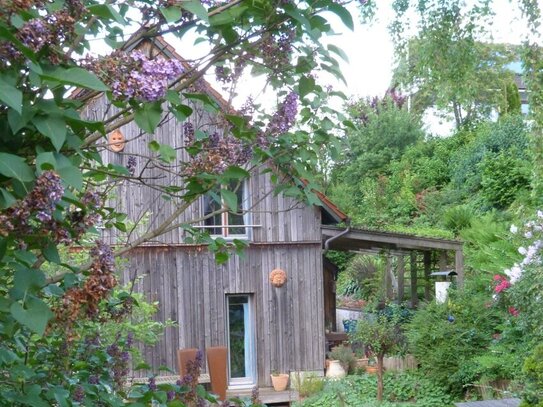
(134, 76)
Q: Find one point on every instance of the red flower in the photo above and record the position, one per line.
(513, 311)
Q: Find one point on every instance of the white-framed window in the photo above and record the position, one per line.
(230, 223)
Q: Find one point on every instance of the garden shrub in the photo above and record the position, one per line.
(308, 385)
(509, 136)
(533, 371)
(503, 177)
(401, 390)
(445, 337)
(458, 218)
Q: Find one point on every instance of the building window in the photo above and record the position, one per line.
(232, 222)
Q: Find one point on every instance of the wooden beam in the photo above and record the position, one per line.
(427, 271)
(414, 295)
(401, 278)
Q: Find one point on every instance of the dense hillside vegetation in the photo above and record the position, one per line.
(475, 185)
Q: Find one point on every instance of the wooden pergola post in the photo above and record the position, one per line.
(388, 278)
(401, 278)
(459, 267)
(414, 295)
(427, 271)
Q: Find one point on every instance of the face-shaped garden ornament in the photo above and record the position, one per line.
(278, 278)
(116, 141)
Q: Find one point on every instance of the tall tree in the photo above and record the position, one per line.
(447, 64)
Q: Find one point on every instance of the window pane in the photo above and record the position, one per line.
(211, 206)
(238, 218)
(237, 318)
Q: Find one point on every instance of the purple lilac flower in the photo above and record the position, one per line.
(285, 116)
(152, 384)
(188, 132)
(129, 339)
(43, 216)
(255, 396)
(103, 256)
(222, 75)
(134, 76)
(131, 165)
(34, 34)
(170, 395)
(78, 394)
(93, 379)
(91, 199)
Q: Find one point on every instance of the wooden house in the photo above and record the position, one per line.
(265, 328)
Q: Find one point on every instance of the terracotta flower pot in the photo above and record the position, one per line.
(362, 363)
(371, 369)
(279, 381)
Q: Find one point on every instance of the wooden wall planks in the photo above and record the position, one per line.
(191, 289)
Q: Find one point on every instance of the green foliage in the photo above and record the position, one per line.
(502, 178)
(510, 103)
(458, 218)
(465, 80)
(309, 385)
(365, 276)
(444, 338)
(382, 135)
(379, 333)
(533, 371)
(508, 136)
(489, 247)
(401, 390)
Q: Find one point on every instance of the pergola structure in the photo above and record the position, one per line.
(425, 255)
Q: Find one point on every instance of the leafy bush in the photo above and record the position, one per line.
(503, 176)
(400, 388)
(533, 371)
(364, 274)
(509, 135)
(308, 385)
(445, 337)
(458, 218)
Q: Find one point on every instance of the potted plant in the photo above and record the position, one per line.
(371, 366)
(279, 381)
(361, 359)
(345, 356)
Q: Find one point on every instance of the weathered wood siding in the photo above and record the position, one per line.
(192, 290)
(278, 219)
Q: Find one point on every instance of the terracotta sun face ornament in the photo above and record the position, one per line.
(116, 141)
(278, 278)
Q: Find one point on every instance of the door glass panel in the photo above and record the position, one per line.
(237, 311)
(240, 340)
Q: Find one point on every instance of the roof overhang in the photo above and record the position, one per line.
(374, 241)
